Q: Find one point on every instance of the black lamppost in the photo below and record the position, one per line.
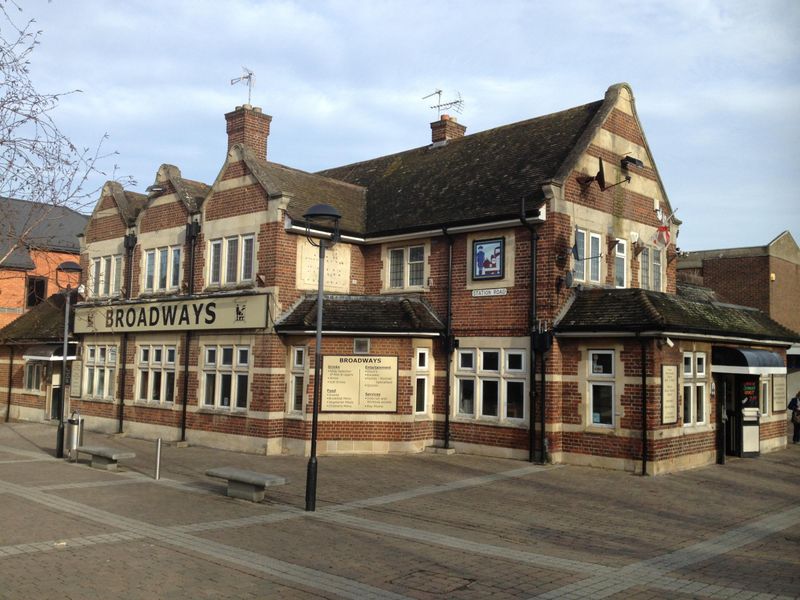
(65, 267)
(319, 215)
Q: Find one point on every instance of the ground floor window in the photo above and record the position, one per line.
(298, 380)
(490, 383)
(156, 373)
(100, 371)
(226, 376)
(33, 376)
(601, 387)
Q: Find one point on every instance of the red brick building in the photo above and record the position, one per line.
(510, 293)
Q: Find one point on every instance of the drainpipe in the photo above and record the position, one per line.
(192, 231)
(10, 382)
(532, 328)
(130, 244)
(449, 345)
(644, 405)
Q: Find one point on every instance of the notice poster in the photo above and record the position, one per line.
(750, 393)
(359, 383)
(669, 394)
(778, 393)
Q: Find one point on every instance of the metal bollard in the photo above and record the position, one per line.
(158, 459)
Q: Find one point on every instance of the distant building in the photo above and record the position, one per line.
(764, 277)
(40, 238)
(508, 293)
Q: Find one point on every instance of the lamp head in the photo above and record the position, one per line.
(323, 215)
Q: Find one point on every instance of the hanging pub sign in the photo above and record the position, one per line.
(488, 259)
(212, 312)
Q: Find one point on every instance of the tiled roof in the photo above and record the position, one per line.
(307, 189)
(631, 310)
(43, 323)
(53, 228)
(379, 314)
(696, 292)
(477, 177)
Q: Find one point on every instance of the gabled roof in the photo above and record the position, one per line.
(483, 176)
(37, 226)
(128, 203)
(637, 310)
(375, 314)
(43, 323)
(191, 193)
(306, 189)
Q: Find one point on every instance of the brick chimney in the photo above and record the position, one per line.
(249, 126)
(446, 128)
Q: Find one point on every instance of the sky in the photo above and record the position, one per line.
(716, 82)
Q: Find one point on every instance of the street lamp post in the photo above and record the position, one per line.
(65, 267)
(319, 215)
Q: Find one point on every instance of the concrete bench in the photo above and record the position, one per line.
(105, 458)
(246, 485)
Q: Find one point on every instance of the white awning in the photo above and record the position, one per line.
(51, 352)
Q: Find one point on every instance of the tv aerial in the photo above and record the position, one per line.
(249, 78)
(455, 105)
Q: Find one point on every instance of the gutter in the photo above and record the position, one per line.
(130, 244)
(532, 351)
(192, 231)
(449, 339)
(10, 382)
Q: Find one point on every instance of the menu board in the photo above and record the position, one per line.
(359, 383)
(669, 393)
(749, 393)
(778, 393)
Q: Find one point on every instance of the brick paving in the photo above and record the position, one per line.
(421, 526)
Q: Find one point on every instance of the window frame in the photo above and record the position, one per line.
(579, 264)
(100, 368)
(594, 258)
(154, 361)
(220, 368)
(33, 376)
(404, 269)
(232, 259)
(106, 275)
(298, 371)
(33, 280)
(490, 387)
(601, 379)
(159, 274)
(621, 260)
(694, 389)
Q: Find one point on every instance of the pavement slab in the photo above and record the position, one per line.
(400, 526)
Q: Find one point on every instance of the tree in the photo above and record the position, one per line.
(38, 162)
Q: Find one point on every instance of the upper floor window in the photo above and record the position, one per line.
(587, 256)
(162, 269)
(650, 268)
(36, 291)
(231, 259)
(106, 275)
(621, 264)
(407, 267)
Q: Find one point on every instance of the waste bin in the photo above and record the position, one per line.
(74, 437)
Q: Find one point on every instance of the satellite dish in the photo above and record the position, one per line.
(569, 279)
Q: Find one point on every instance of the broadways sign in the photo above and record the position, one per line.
(220, 312)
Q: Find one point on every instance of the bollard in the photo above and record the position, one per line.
(158, 459)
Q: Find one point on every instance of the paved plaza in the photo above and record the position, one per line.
(420, 526)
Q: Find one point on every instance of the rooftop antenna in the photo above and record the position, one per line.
(456, 105)
(248, 76)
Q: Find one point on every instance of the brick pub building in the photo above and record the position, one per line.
(509, 293)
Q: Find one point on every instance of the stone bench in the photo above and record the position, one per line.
(247, 485)
(105, 458)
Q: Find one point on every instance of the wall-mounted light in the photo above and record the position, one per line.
(629, 160)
